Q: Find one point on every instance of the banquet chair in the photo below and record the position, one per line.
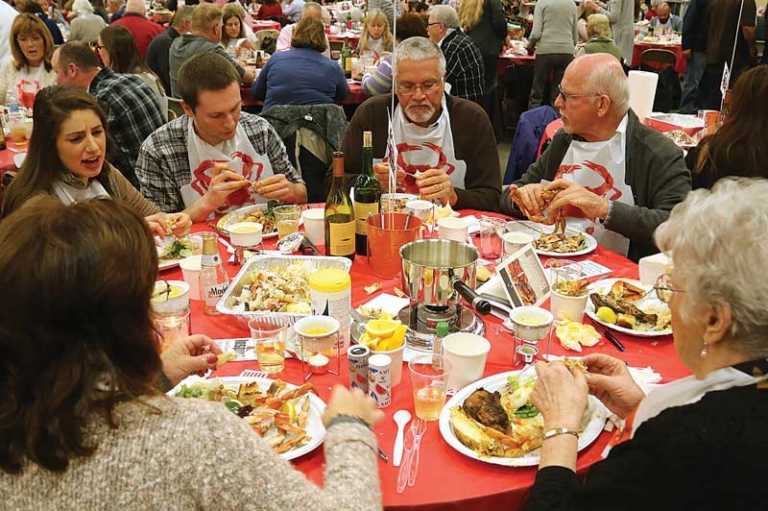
(657, 59)
(174, 108)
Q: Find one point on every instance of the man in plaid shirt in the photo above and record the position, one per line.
(209, 87)
(132, 107)
(464, 62)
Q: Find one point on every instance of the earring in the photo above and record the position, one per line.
(704, 351)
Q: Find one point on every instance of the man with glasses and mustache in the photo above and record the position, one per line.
(444, 146)
(618, 177)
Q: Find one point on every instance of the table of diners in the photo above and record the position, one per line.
(447, 479)
(640, 46)
(355, 97)
(350, 37)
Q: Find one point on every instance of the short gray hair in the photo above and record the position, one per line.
(611, 81)
(419, 48)
(445, 14)
(717, 241)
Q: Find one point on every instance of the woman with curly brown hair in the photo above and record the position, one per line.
(84, 425)
(739, 147)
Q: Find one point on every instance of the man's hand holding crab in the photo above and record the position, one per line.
(534, 199)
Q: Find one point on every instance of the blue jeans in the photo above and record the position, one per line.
(693, 73)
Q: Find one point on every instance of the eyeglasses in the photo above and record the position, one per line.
(96, 46)
(664, 289)
(408, 88)
(566, 96)
(434, 23)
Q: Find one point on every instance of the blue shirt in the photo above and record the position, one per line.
(300, 76)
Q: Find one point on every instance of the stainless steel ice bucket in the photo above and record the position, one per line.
(428, 268)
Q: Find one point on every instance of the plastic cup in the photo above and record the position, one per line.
(488, 241)
(514, 241)
(270, 344)
(287, 219)
(455, 229)
(190, 269)
(570, 308)
(429, 383)
(314, 225)
(466, 355)
(386, 234)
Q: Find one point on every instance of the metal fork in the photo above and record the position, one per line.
(253, 373)
(410, 466)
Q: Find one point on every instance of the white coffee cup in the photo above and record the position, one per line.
(569, 308)
(420, 208)
(314, 225)
(452, 228)
(190, 269)
(466, 355)
(514, 241)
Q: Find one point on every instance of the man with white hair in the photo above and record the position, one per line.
(606, 166)
(445, 148)
(465, 71)
(135, 21)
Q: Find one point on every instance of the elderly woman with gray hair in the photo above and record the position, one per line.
(698, 442)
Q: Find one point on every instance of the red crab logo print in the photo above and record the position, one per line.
(422, 153)
(202, 177)
(592, 176)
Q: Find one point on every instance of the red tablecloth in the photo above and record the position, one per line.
(258, 25)
(447, 479)
(355, 97)
(351, 38)
(6, 160)
(680, 62)
(508, 59)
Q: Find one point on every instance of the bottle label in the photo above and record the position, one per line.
(362, 210)
(214, 292)
(342, 238)
(210, 259)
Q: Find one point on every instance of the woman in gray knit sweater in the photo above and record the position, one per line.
(82, 424)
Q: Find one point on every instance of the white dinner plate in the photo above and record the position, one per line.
(239, 213)
(536, 229)
(165, 264)
(596, 410)
(603, 286)
(315, 428)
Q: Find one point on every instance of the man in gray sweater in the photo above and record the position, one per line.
(605, 165)
(554, 36)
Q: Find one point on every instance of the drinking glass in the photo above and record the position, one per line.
(429, 382)
(287, 219)
(270, 344)
(489, 241)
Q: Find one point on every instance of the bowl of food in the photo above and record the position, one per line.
(245, 234)
(170, 296)
(530, 323)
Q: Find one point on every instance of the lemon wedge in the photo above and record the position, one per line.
(381, 327)
(606, 314)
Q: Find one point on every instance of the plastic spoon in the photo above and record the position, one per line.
(402, 418)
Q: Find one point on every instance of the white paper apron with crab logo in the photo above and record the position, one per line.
(239, 155)
(423, 148)
(599, 167)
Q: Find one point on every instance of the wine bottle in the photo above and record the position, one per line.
(213, 279)
(346, 59)
(367, 194)
(339, 214)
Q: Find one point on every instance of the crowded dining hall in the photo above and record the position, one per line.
(402, 255)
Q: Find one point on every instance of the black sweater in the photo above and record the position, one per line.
(708, 455)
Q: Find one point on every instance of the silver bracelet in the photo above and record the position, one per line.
(561, 431)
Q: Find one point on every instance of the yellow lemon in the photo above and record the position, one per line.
(394, 341)
(606, 314)
(290, 409)
(381, 327)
